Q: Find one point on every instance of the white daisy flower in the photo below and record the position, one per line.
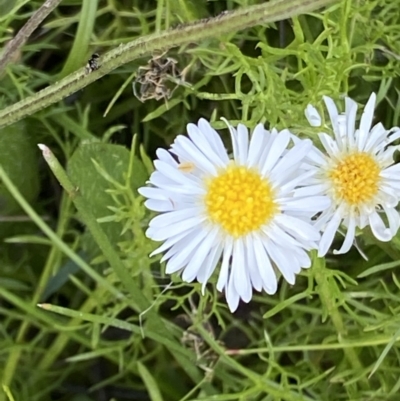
(358, 175)
(240, 211)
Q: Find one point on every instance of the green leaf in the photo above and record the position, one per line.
(379, 268)
(114, 161)
(78, 53)
(188, 10)
(6, 6)
(18, 157)
(159, 111)
(150, 383)
(385, 352)
(284, 304)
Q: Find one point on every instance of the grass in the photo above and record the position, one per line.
(110, 324)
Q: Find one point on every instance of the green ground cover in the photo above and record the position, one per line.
(111, 325)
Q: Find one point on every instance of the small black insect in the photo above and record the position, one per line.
(92, 64)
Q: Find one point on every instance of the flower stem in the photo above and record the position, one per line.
(328, 292)
(182, 34)
(138, 300)
(26, 31)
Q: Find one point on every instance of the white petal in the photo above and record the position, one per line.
(349, 239)
(173, 266)
(302, 257)
(378, 228)
(243, 144)
(234, 139)
(171, 179)
(239, 271)
(205, 147)
(158, 179)
(391, 196)
(278, 146)
(270, 283)
(334, 116)
(311, 190)
(393, 219)
(282, 260)
(376, 135)
(175, 174)
(258, 140)
(179, 189)
(292, 158)
(313, 116)
(330, 231)
(192, 269)
(166, 157)
(159, 206)
(385, 156)
(224, 272)
(214, 138)
(315, 156)
(183, 249)
(232, 297)
(281, 237)
(312, 204)
(153, 193)
(161, 234)
(251, 263)
(351, 113)
(209, 266)
(185, 246)
(330, 145)
(392, 172)
(300, 179)
(174, 217)
(172, 241)
(394, 134)
(298, 228)
(185, 149)
(368, 114)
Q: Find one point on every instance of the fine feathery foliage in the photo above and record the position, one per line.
(85, 312)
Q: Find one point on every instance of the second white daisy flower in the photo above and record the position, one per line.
(242, 212)
(357, 173)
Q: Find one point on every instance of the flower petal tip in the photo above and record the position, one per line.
(313, 116)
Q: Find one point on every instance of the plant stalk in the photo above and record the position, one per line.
(183, 34)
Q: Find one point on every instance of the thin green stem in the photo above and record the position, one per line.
(55, 239)
(26, 31)
(268, 386)
(121, 324)
(138, 300)
(362, 343)
(82, 37)
(15, 353)
(183, 34)
(326, 292)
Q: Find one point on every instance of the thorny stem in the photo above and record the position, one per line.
(26, 31)
(183, 34)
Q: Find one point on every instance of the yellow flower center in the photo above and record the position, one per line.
(356, 178)
(240, 200)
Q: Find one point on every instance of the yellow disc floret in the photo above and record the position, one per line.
(356, 178)
(240, 200)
